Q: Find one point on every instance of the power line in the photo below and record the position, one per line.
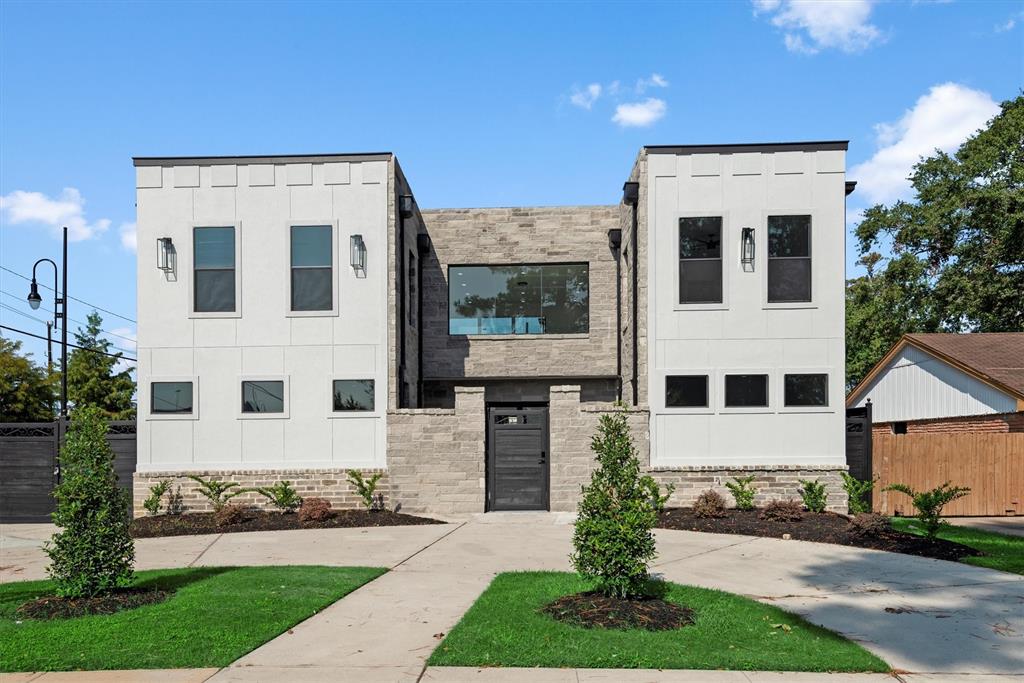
(43, 322)
(80, 322)
(98, 308)
(76, 346)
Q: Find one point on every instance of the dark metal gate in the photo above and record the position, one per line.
(518, 476)
(858, 442)
(28, 465)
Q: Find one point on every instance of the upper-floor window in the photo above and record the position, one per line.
(700, 260)
(524, 299)
(352, 395)
(805, 390)
(213, 280)
(413, 301)
(312, 266)
(789, 259)
(686, 391)
(746, 391)
(263, 396)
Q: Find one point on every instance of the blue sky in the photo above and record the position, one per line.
(485, 104)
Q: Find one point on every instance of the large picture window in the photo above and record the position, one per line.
(213, 278)
(312, 263)
(789, 259)
(525, 299)
(700, 260)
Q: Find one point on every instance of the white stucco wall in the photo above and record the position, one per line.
(262, 201)
(915, 385)
(745, 333)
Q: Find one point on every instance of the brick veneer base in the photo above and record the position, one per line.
(771, 482)
(331, 484)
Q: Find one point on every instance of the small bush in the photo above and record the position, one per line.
(315, 510)
(742, 492)
(813, 494)
(175, 504)
(613, 540)
(216, 491)
(783, 511)
(229, 514)
(709, 504)
(92, 553)
(156, 494)
(868, 524)
(857, 492)
(281, 495)
(929, 504)
(366, 488)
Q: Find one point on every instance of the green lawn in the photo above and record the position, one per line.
(216, 615)
(504, 628)
(1002, 552)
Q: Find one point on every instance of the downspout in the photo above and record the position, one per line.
(423, 249)
(615, 244)
(631, 196)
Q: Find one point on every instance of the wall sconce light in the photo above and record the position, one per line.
(405, 205)
(615, 239)
(357, 256)
(165, 254)
(630, 193)
(747, 249)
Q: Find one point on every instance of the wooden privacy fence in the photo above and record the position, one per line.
(990, 463)
(28, 461)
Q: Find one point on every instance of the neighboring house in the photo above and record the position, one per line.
(947, 383)
(300, 316)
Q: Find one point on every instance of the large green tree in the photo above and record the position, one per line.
(27, 391)
(92, 380)
(955, 253)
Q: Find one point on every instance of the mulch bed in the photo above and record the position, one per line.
(825, 527)
(593, 610)
(53, 607)
(194, 523)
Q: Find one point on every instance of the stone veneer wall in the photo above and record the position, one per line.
(574, 423)
(331, 484)
(436, 456)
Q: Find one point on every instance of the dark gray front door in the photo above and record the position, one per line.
(517, 458)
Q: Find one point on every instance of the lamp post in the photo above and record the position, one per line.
(34, 299)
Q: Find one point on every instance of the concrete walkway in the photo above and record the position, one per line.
(1012, 526)
(923, 616)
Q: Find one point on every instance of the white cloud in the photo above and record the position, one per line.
(655, 81)
(640, 114)
(129, 239)
(585, 98)
(68, 209)
(941, 119)
(1009, 24)
(813, 25)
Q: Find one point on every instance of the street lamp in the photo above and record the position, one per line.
(34, 299)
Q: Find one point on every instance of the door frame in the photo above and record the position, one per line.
(540, 407)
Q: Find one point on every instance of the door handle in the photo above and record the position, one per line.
(543, 457)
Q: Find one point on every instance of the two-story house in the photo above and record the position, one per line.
(300, 316)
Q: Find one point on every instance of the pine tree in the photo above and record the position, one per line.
(92, 380)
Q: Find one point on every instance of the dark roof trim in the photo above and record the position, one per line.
(820, 146)
(259, 159)
(851, 185)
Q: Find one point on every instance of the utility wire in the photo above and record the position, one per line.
(76, 346)
(43, 322)
(98, 308)
(80, 322)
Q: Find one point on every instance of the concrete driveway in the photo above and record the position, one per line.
(925, 616)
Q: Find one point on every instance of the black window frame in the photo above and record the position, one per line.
(233, 270)
(152, 397)
(292, 268)
(707, 391)
(798, 406)
(720, 259)
(555, 264)
(809, 258)
(747, 406)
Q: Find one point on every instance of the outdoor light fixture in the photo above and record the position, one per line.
(630, 193)
(33, 296)
(615, 239)
(165, 254)
(405, 205)
(747, 249)
(357, 253)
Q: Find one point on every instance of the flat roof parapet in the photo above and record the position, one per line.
(260, 159)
